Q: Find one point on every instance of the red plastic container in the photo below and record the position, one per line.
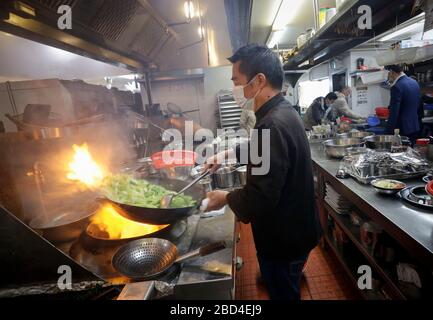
(429, 188)
(174, 158)
(382, 112)
(422, 142)
(345, 119)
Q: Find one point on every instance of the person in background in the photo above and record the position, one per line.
(320, 109)
(341, 108)
(404, 104)
(279, 203)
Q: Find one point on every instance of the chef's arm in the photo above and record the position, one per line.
(343, 109)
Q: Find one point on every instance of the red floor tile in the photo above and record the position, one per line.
(324, 279)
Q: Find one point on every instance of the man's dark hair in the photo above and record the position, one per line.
(331, 96)
(394, 67)
(257, 59)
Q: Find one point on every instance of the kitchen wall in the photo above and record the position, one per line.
(195, 94)
(375, 95)
(34, 92)
(365, 98)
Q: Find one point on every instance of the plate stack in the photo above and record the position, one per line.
(336, 201)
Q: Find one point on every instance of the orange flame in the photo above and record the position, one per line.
(84, 168)
(108, 223)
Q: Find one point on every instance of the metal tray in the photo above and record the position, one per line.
(397, 176)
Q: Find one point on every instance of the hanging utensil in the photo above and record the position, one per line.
(167, 199)
(174, 109)
(147, 259)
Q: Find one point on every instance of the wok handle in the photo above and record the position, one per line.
(202, 176)
(203, 251)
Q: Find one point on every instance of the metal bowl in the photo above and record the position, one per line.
(356, 151)
(387, 191)
(383, 142)
(337, 148)
(356, 135)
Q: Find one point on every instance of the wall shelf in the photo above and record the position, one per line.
(341, 33)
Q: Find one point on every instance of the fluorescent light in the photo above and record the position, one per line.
(128, 76)
(320, 56)
(285, 15)
(275, 38)
(189, 9)
(410, 28)
(201, 32)
(287, 12)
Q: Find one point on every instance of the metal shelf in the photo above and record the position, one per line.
(229, 111)
(354, 235)
(342, 34)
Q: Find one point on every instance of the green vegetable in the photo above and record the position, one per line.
(123, 188)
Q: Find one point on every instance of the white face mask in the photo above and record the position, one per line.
(239, 95)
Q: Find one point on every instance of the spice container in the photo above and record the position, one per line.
(421, 147)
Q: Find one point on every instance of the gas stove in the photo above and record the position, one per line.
(96, 255)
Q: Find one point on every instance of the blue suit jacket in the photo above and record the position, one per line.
(405, 100)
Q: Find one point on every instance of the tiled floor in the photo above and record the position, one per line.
(324, 278)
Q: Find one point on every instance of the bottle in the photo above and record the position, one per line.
(396, 142)
(397, 139)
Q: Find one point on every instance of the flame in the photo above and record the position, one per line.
(108, 223)
(84, 168)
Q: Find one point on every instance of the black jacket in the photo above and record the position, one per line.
(280, 205)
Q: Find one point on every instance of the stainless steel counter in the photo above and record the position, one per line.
(410, 226)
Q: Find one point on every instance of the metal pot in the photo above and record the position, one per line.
(225, 177)
(383, 142)
(242, 175)
(337, 148)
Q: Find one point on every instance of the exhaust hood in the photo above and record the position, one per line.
(128, 33)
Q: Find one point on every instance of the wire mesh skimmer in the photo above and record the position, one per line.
(147, 259)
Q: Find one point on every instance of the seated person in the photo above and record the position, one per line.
(319, 110)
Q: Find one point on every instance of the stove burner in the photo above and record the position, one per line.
(96, 255)
(417, 196)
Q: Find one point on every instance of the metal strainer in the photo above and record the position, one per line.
(146, 259)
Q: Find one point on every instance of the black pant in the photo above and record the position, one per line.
(283, 278)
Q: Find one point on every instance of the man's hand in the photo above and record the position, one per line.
(217, 200)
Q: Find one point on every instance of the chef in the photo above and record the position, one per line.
(404, 104)
(278, 203)
(319, 110)
(340, 107)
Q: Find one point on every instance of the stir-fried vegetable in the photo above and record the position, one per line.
(125, 189)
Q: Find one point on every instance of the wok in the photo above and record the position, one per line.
(157, 216)
(150, 258)
(67, 224)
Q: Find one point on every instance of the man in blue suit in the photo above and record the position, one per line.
(405, 101)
